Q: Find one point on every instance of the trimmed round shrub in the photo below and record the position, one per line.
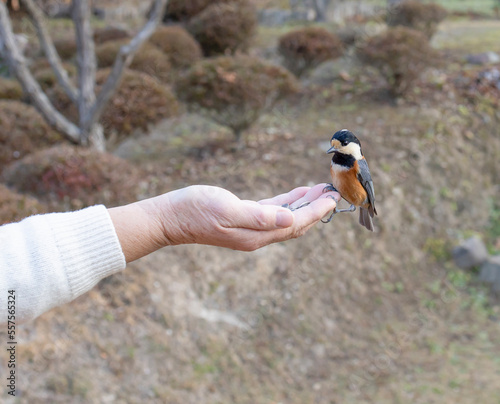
(106, 53)
(235, 91)
(224, 28)
(10, 89)
(73, 177)
(66, 48)
(351, 34)
(178, 44)
(15, 207)
(400, 55)
(183, 10)
(107, 34)
(424, 17)
(22, 131)
(140, 101)
(148, 59)
(306, 48)
(44, 74)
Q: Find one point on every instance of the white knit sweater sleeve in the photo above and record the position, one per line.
(49, 260)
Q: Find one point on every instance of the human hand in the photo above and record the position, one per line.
(210, 215)
(214, 216)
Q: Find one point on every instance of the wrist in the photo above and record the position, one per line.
(165, 212)
(137, 228)
(156, 210)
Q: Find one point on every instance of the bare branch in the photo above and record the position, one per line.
(49, 49)
(31, 87)
(124, 58)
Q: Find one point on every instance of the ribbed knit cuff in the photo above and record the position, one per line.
(88, 246)
(48, 260)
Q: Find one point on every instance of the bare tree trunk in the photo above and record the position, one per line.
(89, 131)
(320, 8)
(96, 137)
(240, 144)
(87, 66)
(18, 66)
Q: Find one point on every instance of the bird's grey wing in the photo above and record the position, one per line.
(366, 180)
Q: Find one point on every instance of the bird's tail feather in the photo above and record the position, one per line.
(365, 219)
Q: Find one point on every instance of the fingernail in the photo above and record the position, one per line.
(284, 218)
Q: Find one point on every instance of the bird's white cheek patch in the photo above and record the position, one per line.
(354, 150)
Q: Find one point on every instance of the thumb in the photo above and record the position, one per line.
(255, 216)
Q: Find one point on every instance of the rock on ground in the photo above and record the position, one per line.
(471, 253)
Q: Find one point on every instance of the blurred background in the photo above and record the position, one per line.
(245, 94)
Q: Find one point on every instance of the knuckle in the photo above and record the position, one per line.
(224, 231)
(261, 219)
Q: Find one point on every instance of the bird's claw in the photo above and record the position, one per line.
(329, 188)
(330, 218)
(334, 210)
(352, 208)
(287, 205)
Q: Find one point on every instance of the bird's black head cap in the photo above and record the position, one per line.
(345, 137)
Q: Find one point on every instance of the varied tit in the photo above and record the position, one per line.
(351, 177)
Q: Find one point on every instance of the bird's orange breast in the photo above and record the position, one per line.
(347, 183)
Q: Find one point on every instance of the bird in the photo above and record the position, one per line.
(351, 177)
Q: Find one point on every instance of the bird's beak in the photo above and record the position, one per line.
(331, 150)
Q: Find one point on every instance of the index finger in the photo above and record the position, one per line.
(304, 219)
(314, 212)
(288, 198)
(316, 192)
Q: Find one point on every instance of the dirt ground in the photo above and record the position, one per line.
(340, 315)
